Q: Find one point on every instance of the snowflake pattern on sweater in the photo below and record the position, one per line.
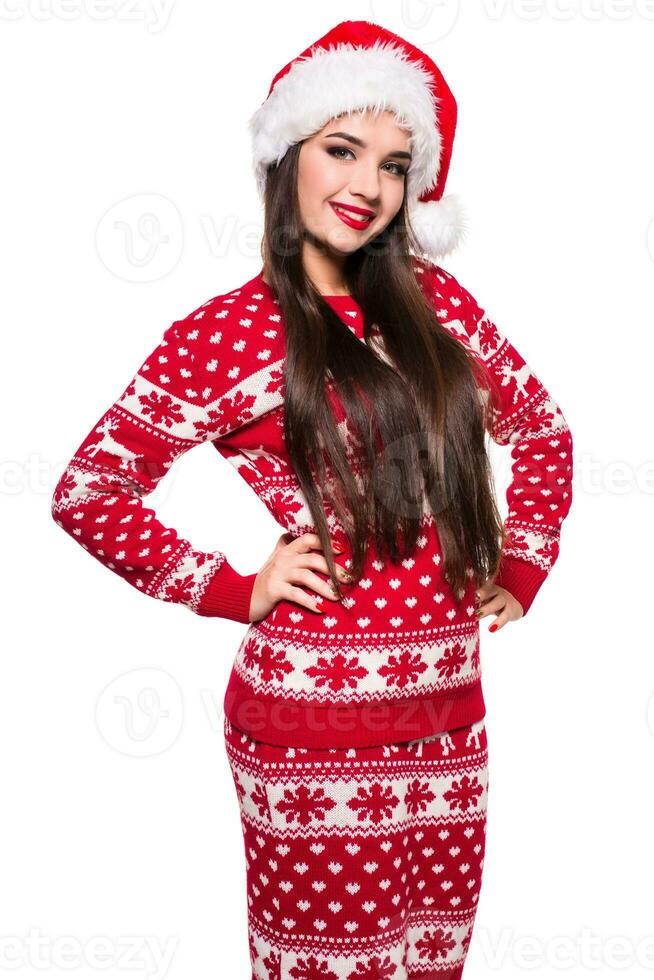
(398, 658)
(376, 855)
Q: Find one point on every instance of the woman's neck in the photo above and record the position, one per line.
(323, 289)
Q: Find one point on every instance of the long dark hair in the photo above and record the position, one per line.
(415, 417)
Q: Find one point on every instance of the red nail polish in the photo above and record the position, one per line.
(491, 629)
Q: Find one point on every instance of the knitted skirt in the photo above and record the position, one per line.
(362, 863)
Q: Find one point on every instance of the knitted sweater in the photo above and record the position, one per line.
(398, 658)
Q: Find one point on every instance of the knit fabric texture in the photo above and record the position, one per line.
(362, 863)
(396, 659)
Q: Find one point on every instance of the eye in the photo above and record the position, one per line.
(333, 150)
(401, 171)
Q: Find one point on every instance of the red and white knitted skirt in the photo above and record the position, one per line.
(362, 863)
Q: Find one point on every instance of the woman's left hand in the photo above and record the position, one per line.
(493, 599)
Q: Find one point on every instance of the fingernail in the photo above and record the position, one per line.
(492, 628)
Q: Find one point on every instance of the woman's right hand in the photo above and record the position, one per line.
(293, 563)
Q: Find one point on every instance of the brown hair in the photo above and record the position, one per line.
(416, 425)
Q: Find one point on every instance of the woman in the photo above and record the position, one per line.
(352, 384)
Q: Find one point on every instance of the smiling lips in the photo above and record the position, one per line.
(353, 217)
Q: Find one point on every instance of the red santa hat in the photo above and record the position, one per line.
(359, 65)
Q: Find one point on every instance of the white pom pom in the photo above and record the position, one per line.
(439, 226)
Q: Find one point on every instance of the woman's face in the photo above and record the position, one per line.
(358, 161)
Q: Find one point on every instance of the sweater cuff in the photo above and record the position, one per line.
(521, 579)
(228, 595)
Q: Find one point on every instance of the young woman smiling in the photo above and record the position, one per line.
(352, 382)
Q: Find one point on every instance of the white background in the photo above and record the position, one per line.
(120, 818)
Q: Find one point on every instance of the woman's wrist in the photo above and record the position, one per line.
(228, 595)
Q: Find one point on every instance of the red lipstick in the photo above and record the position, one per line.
(347, 215)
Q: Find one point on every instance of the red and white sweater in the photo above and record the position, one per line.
(398, 658)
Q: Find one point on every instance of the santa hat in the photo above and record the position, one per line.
(359, 65)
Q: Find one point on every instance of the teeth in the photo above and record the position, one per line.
(357, 217)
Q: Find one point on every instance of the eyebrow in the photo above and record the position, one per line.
(359, 142)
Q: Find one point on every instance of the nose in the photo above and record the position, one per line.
(365, 182)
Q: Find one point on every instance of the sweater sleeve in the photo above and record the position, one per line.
(168, 407)
(525, 417)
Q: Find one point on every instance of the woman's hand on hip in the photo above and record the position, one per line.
(494, 600)
(292, 564)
